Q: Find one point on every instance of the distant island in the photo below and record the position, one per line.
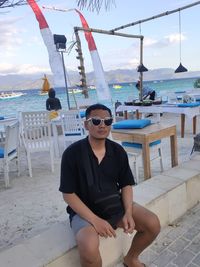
(22, 82)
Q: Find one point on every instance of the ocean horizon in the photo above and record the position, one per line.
(32, 101)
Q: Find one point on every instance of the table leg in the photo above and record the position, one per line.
(137, 114)
(146, 160)
(125, 115)
(194, 124)
(182, 125)
(174, 150)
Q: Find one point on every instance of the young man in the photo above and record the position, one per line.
(146, 92)
(96, 182)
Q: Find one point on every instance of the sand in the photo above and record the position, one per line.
(32, 205)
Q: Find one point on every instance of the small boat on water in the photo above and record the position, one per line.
(91, 87)
(8, 95)
(117, 86)
(45, 87)
(75, 91)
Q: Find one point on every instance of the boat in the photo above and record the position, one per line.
(117, 86)
(75, 91)
(8, 95)
(91, 87)
(45, 86)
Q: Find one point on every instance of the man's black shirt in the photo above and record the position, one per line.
(113, 172)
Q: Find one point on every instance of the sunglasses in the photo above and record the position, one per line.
(97, 121)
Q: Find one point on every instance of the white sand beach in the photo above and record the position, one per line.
(32, 205)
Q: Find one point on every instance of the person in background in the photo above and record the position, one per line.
(118, 113)
(97, 184)
(52, 102)
(146, 92)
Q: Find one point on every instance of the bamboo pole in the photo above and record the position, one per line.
(108, 32)
(141, 73)
(156, 16)
(82, 67)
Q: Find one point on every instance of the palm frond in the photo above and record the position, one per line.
(12, 3)
(95, 4)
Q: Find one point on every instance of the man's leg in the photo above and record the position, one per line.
(147, 226)
(88, 246)
(87, 242)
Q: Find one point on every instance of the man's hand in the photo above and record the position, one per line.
(128, 223)
(103, 228)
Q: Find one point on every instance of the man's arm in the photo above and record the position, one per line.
(102, 227)
(47, 104)
(127, 199)
(78, 206)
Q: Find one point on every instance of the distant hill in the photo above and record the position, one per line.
(21, 82)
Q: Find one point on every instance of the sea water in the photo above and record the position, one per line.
(32, 101)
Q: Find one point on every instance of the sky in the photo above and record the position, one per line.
(22, 50)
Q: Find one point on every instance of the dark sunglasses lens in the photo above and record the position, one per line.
(108, 122)
(96, 121)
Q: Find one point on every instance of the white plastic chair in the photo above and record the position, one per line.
(36, 135)
(172, 98)
(10, 149)
(134, 152)
(72, 126)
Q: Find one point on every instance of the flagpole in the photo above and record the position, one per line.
(64, 71)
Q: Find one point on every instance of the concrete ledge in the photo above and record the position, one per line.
(169, 195)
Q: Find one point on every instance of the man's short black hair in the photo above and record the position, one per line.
(96, 106)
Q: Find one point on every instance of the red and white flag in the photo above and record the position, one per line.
(102, 89)
(55, 60)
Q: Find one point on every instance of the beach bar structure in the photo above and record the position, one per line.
(141, 37)
(141, 68)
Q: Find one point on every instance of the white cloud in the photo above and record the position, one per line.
(164, 42)
(22, 69)
(149, 42)
(175, 37)
(9, 35)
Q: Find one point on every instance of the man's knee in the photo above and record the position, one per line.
(153, 224)
(87, 241)
(88, 246)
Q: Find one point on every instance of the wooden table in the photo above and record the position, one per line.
(189, 112)
(147, 135)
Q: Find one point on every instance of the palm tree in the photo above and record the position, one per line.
(89, 4)
(95, 4)
(12, 3)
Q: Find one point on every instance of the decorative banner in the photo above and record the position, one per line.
(55, 60)
(102, 88)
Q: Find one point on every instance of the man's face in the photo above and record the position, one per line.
(100, 131)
